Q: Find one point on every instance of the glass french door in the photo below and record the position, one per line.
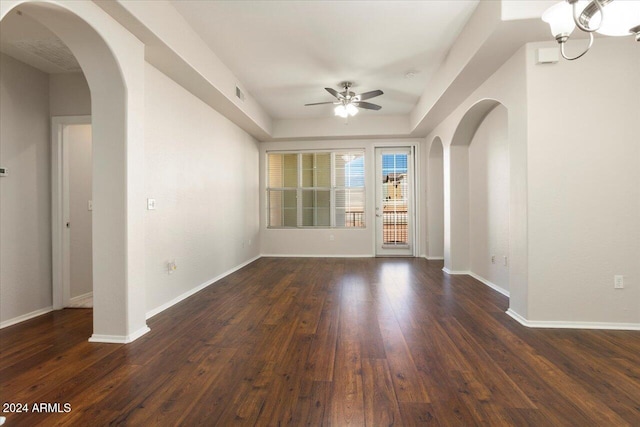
(394, 201)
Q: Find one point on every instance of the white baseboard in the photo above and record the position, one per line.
(198, 288)
(119, 339)
(80, 297)
(478, 278)
(25, 317)
(489, 284)
(454, 272)
(137, 334)
(318, 256)
(434, 258)
(553, 324)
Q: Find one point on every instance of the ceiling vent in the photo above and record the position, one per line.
(239, 94)
(51, 50)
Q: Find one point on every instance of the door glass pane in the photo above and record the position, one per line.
(394, 199)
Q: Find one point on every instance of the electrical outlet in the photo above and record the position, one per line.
(151, 204)
(618, 282)
(493, 259)
(505, 261)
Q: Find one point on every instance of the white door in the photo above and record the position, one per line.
(394, 201)
(77, 205)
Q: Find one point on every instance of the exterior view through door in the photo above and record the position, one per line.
(394, 201)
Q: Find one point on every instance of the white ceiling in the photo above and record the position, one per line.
(26, 40)
(286, 52)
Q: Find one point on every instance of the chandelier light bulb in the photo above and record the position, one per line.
(352, 110)
(560, 19)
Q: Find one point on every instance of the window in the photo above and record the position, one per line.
(315, 189)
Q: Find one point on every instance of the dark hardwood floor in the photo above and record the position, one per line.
(326, 342)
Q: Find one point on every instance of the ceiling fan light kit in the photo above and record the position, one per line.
(347, 102)
(345, 110)
(606, 17)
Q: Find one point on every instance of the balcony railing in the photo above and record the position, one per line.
(395, 230)
(354, 219)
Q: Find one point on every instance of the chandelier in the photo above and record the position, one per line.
(606, 17)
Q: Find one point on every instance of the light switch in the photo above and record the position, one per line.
(151, 204)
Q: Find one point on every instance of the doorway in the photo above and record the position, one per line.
(72, 216)
(394, 201)
(112, 60)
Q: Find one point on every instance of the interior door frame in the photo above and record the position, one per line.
(60, 259)
(412, 166)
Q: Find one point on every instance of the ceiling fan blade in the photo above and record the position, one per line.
(369, 95)
(319, 103)
(334, 92)
(367, 105)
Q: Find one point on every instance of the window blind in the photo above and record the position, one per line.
(316, 189)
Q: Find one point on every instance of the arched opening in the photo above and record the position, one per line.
(479, 195)
(435, 201)
(41, 71)
(114, 70)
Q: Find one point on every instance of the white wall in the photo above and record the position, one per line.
(78, 147)
(69, 95)
(318, 242)
(435, 200)
(508, 87)
(203, 172)
(458, 259)
(489, 199)
(25, 207)
(584, 192)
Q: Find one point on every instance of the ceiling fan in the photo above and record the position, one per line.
(348, 102)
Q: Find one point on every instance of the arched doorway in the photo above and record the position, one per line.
(479, 195)
(113, 63)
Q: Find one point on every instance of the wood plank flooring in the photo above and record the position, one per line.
(332, 342)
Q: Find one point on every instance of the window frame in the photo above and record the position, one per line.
(300, 189)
